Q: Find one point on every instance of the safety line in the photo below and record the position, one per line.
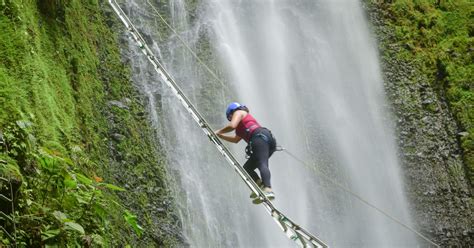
(337, 184)
(315, 169)
(213, 74)
(293, 231)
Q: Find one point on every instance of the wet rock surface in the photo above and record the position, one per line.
(120, 104)
(137, 162)
(435, 177)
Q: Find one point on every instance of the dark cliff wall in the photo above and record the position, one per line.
(432, 105)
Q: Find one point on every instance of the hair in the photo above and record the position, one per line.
(244, 108)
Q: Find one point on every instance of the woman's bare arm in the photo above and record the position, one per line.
(236, 118)
(234, 139)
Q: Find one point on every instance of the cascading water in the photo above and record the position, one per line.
(308, 70)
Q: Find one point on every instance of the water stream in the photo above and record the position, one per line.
(309, 71)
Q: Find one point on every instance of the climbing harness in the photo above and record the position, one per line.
(293, 231)
(271, 141)
(264, 137)
(248, 150)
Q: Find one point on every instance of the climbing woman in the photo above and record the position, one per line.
(260, 145)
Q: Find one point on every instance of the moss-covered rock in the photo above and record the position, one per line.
(437, 36)
(61, 70)
(413, 41)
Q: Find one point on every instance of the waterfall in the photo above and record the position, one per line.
(308, 70)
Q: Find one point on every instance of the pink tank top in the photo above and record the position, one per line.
(246, 127)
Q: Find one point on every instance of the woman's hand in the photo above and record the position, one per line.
(218, 133)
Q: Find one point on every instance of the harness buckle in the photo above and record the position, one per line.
(248, 150)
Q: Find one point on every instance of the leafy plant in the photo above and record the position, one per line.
(53, 202)
(131, 219)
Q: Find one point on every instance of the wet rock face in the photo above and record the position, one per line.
(435, 178)
(120, 104)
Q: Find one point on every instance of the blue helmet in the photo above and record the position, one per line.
(231, 108)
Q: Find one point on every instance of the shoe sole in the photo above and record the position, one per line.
(253, 195)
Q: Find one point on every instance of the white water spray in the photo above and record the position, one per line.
(309, 71)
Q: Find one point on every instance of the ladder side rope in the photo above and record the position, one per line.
(344, 188)
(332, 181)
(296, 233)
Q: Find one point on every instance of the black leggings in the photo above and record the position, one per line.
(262, 150)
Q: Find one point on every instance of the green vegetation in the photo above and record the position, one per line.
(437, 36)
(51, 202)
(61, 138)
